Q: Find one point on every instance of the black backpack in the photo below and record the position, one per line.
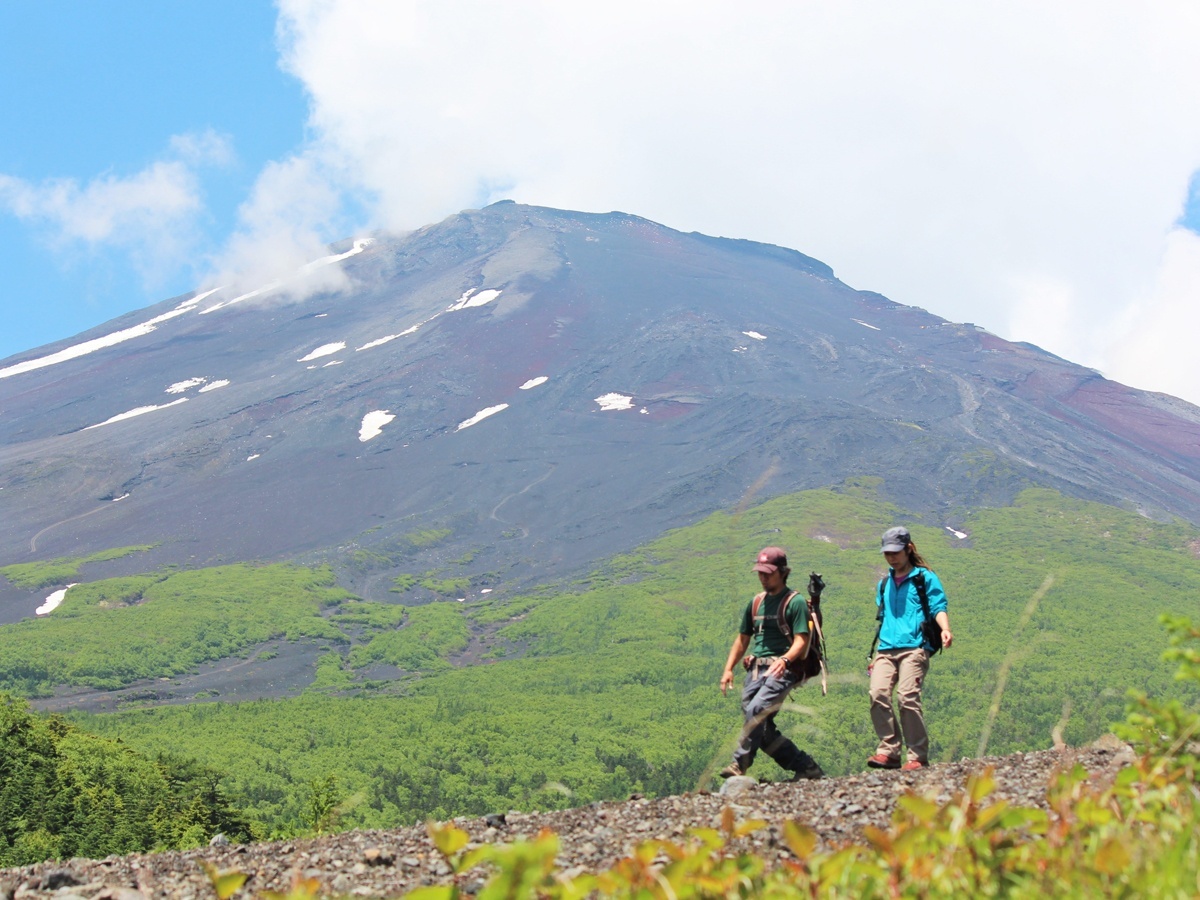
(813, 662)
(931, 631)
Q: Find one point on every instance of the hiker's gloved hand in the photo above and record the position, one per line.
(816, 584)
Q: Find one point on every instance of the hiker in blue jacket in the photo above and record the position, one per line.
(771, 669)
(902, 659)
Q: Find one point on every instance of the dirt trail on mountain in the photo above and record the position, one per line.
(496, 509)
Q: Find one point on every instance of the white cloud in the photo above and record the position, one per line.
(203, 148)
(150, 215)
(1155, 341)
(981, 161)
(285, 224)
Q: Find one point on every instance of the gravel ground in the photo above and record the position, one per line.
(389, 863)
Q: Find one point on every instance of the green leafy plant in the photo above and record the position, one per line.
(62, 569)
(323, 802)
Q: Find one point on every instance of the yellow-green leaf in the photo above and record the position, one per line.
(1112, 857)
(877, 837)
(979, 786)
(749, 827)
(801, 839)
(919, 808)
(448, 839)
(225, 884)
(433, 892)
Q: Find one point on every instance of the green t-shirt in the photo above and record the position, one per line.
(768, 639)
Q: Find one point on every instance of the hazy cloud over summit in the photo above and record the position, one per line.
(1024, 166)
(1020, 165)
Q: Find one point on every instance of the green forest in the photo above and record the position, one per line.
(66, 793)
(600, 687)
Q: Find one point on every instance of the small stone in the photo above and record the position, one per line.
(376, 856)
(737, 785)
(119, 893)
(60, 878)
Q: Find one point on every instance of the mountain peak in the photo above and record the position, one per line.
(549, 387)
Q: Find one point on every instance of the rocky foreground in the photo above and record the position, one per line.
(390, 863)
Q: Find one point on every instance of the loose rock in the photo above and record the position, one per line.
(391, 863)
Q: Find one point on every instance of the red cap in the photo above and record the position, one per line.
(770, 560)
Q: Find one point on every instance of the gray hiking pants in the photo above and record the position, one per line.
(762, 698)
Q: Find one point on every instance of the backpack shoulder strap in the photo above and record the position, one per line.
(784, 626)
(754, 608)
(918, 580)
(879, 619)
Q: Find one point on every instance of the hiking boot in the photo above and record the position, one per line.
(731, 771)
(883, 761)
(811, 772)
(912, 765)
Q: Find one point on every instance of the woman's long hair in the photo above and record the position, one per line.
(915, 558)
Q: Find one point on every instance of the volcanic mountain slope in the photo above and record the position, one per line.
(540, 389)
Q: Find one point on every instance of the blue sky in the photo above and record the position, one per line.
(99, 89)
(1028, 167)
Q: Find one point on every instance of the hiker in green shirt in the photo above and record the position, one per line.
(769, 669)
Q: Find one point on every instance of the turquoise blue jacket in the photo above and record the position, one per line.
(902, 613)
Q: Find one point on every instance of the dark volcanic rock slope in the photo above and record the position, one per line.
(551, 387)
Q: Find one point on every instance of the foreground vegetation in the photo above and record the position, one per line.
(67, 793)
(598, 689)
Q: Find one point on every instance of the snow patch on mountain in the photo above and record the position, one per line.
(360, 245)
(480, 416)
(378, 342)
(53, 601)
(213, 385)
(139, 411)
(372, 424)
(324, 350)
(470, 299)
(614, 401)
(180, 386)
(77, 350)
(534, 382)
(262, 290)
(755, 335)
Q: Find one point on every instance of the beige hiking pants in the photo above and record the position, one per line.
(902, 671)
